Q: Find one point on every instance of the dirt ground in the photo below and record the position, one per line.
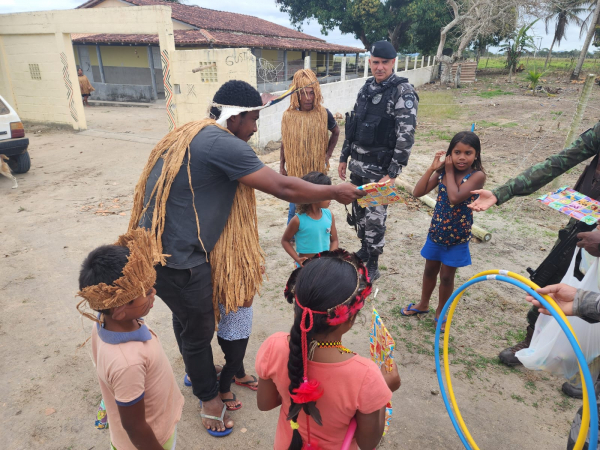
(78, 195)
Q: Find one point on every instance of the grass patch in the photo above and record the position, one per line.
(556, 65)
(437, 106)
(493, 93)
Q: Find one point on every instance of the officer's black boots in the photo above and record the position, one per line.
(507, 356)
(363, 253)
(373, 268)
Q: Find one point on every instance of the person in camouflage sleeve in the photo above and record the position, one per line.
(580, 303)
(586, 146)
(380, 134)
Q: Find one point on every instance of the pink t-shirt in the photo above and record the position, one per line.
(349, 386)
(128, 369)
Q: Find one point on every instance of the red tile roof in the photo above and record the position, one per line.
(217, 39)
(227, 29)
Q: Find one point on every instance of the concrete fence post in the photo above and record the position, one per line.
(343, 69)
(100, 65)
(152, 73)
(366, 67)
(396, 66)
(406, 63)
(307, 62)
(416, 61)
(428, 61)
(423, 61)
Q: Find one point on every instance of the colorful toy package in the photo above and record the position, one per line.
(382, 353)
(573, 204)
(378, 194)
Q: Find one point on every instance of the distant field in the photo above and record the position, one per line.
(565, 65)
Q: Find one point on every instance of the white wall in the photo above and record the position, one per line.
(338, 97)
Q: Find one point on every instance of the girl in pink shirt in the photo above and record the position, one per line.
(319, 384)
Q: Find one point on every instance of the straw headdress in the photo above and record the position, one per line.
(138, 276)
(304, 133)
(237, 259)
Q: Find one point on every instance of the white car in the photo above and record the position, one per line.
(13, 142)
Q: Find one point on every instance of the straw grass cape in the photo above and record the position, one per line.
(138, 277)
(237, 258)
(304, 133)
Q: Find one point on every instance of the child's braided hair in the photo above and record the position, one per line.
(328, 290)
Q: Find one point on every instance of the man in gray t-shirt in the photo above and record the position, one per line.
(218, 162)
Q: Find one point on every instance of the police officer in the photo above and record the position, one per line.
(380, 133)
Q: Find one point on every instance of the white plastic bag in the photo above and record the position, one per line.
(550, 349)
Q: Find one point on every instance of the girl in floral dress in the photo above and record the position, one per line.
(447, 245)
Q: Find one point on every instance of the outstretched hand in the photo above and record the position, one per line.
(346, 193)
(563, 295)
(485, 200)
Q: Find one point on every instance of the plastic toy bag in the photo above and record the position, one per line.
(550, 350)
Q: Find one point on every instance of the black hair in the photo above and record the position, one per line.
(472, 140)
(103, 265)
(325, 281)
(314, 178)
(235, 93)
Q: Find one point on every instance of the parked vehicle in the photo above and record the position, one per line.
(13, 142)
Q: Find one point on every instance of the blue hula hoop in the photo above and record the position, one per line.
(593, 431)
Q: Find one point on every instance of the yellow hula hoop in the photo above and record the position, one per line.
(585, 418)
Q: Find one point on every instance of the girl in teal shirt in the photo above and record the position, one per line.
(313, 226)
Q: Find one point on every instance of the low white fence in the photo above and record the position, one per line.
(338, 97)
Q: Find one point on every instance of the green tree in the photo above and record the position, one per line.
(516, 45)
(410, 25)
(564, 14)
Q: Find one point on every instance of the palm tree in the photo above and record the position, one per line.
(565, 14)
(595, 19)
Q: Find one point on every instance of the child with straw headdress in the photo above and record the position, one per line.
(142, 400)
(196, 196)
(306, 145)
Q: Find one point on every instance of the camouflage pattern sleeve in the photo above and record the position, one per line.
(587, 305)
(405, 112)
(532, 179)
(345, 151)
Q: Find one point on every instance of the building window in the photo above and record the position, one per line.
(208, 72)
(34, 71)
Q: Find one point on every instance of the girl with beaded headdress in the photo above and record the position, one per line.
(320, 384)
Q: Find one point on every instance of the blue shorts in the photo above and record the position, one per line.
(450, 255)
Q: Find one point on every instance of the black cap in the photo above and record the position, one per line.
(383, 49)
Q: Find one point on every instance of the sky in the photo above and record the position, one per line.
(267, 9)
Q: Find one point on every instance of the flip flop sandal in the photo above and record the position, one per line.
(435, 319)
(227, 431)
(234, 399)
(415, 311)
(188, 383)
(247, 383)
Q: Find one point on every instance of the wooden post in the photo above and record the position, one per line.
(457, 76)
(100, 66)
(573, 130)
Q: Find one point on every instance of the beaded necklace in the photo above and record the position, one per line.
(331, 344)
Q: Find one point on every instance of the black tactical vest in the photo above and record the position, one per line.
(375, 128)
